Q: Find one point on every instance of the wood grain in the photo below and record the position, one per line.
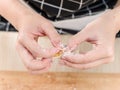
(59, 81)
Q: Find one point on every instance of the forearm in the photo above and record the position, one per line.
(113, 16)
(14, 10)
(116, 14)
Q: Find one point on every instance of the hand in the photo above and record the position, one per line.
(31, 27)
(101, 34)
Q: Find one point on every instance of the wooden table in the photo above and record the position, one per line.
(59, 81)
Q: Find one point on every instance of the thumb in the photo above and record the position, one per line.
(76, 40)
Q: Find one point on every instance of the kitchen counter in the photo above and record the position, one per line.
(59, 81)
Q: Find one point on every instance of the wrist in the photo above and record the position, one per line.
(23, 17)
(111, 16)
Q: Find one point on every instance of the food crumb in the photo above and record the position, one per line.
(61, 51)
(67, 53)
(58, 54)
(74, 88)
(48, 76)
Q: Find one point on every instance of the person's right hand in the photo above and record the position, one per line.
(30, 28)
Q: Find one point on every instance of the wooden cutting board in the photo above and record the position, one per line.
(59, 81)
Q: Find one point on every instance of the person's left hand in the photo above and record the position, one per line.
(101, 33)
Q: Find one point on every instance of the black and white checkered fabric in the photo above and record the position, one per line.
(56, 10)
(60, 8)
(67, 9)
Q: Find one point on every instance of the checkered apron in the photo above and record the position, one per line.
(57, 10)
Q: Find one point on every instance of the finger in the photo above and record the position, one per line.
(88, 65)
(90, 56)
(30, 61)
(76, 40)
(41, 71)
(53, 35)
(35, 49)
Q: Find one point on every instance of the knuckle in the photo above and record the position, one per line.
(109, 60)
(109, 52)
(20, 38)
(29, 68)
(36, 54)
